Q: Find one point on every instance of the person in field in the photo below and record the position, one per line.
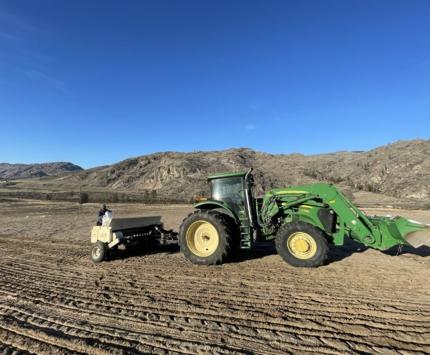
(102, 212)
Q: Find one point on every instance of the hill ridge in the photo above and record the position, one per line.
(400, 169)
(26, 171)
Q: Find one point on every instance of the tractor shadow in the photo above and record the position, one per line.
(351, 247)
(422, 251)
(338, 253)
(138, 251)
(261, 250)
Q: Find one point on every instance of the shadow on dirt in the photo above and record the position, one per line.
(351, 247)
(338, 253)
(261, 250)
(136, 251)
(423, 251)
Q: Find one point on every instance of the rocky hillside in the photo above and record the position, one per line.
(25, 171)
(401, 169)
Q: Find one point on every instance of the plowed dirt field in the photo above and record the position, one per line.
(54, 300)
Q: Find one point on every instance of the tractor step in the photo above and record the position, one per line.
(245, 234)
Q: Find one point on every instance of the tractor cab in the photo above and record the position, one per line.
(229, 189)
(232, 192)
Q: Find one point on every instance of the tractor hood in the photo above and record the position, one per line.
(400, 230)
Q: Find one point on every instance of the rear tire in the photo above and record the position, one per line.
(205, 238)
(234, 231)
(99, 251)
(302, 245)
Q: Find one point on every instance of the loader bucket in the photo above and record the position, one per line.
(401, 231)
(418, 238)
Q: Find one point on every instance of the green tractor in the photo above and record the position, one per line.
(303, 221)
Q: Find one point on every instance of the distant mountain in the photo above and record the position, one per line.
(401, 169)
(26, 171)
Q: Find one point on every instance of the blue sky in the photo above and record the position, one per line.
(95, 82)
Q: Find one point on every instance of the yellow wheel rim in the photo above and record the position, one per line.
(202, 238)
(301, 245)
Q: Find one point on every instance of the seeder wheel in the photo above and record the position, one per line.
(99, 252)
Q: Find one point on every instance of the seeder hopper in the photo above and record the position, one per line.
(130, 232)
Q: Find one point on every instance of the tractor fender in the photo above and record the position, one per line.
(316, 222)
(217, 205)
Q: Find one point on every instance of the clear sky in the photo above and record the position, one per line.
(95, 82)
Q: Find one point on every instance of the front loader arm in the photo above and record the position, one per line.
(360, 226)
(376, 232)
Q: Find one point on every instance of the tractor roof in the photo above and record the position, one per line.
(225, 175)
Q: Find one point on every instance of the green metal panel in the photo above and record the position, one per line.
(395, 231)
(303, 202)
(223, 175)
(212, 204)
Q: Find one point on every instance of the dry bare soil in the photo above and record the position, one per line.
(53, 299)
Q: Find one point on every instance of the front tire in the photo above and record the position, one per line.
(302, 245)
(205, 238)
